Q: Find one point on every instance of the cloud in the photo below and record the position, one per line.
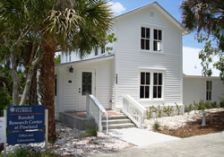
(117, 8)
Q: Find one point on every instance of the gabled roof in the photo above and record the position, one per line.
(161, 10)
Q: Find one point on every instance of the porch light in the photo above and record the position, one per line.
(71, 69)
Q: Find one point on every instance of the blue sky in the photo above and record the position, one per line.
(172, 6)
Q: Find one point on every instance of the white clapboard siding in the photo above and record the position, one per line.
(68, 97)
(194, 89)
(130, 59)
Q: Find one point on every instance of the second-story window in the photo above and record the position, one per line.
(157, 40)
(145, 38)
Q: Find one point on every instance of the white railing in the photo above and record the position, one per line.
(96, 111)
(134, 110)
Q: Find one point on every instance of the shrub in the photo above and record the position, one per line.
(178, 108)
(156, 126)
(214, 104)
(5, 99)
(168, 110)
(91, 129)
(150, 111)
(221, 102)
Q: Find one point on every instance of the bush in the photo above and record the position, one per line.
(156, 126)
(5, 99)
(221, 102)
(168, 110)
(150, 111)
(202, 105)
(91, 129)
(29, 152)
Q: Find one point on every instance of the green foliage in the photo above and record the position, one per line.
(221, 102)
(206, 17)
(57, 60)
(28, 152)
(168, 110)
(91, 129)
(178, 108)
(201, 105)
(4, 97)
(156, 126)
(150, 110)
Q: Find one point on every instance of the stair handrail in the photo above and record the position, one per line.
(96, 111)
(134, 110)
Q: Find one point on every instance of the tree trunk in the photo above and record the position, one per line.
(30, 79)
(32, 97)
(15, 80)
(48, 85)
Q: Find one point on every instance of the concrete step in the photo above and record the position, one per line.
(119, 126)
(116, 121)
(116, 117)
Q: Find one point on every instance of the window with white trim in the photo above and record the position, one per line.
(96, 51)
(157, 85)
(151, 85)
(208, 90)
(144, 85)
(157, 40)
(145, 38)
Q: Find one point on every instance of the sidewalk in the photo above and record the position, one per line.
(141, 137)
(211, 145)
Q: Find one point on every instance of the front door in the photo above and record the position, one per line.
(85, 86)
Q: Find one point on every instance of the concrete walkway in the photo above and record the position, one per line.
(211, 145)
(140, 137)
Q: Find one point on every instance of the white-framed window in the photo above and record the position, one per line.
(144, 85)
(145, 38)
(102, 49)
(96, 51)
(157, 85)
(208, 90)
(155, 34)
(151, 85)
(157, 40)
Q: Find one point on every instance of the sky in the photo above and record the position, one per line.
(172, 6)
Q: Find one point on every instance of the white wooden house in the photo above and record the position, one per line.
(143, 69)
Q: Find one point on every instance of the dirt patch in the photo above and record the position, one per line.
(214, 121)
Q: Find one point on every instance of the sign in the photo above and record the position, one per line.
(25, 124)
(25, 137)
(2, 130)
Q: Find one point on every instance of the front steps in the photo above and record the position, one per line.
(118, 122)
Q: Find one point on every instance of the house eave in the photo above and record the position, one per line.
(90, 60)
(200, 76)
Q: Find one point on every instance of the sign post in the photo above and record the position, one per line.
(25, 124)
(3, 132)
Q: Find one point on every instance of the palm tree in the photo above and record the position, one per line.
(71, 25)
(49, 25)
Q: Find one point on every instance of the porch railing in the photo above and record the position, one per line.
(134, 110)
(96, 111)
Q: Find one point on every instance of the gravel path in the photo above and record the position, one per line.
(69, 144)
